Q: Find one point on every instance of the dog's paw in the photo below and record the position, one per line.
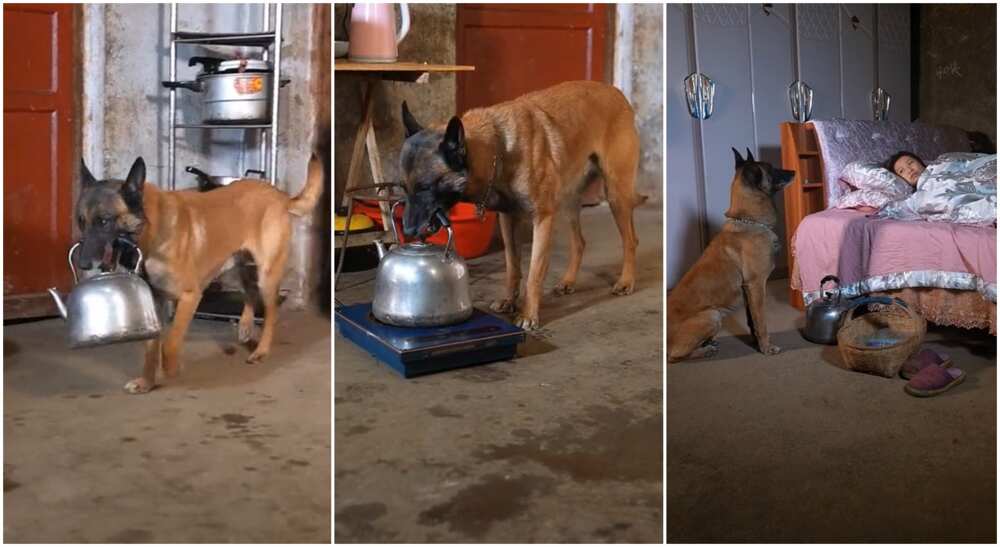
(256, 357)
(244, 332)
(771, 350)
(506, 305)
(527, 323)
(623, 288)
(564, 288)
(711, 348)
(137, 386)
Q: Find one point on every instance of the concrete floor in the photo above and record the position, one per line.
(227, 452)
(793, 448)
(562, 444)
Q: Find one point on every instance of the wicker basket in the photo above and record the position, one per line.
(855, 336)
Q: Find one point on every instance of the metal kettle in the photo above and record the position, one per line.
(108, 308)
(824, 317)
(420, 284)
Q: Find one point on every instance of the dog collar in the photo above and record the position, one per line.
(481, 206)
(751, 222)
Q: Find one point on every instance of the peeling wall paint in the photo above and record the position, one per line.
(958, 66)
(647, 96)
(131, 108)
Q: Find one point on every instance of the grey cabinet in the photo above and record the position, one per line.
(753, 52)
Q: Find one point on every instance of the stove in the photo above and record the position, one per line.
(413, 351)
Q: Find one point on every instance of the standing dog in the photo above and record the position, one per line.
(187, 237)
(739, 260)
(531, 156)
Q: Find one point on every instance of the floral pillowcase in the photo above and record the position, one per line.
(874, 186)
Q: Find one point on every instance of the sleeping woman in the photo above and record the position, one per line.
(956, 187)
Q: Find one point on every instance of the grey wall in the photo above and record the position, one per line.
(126, 58)
(958, 66)
(753, 52)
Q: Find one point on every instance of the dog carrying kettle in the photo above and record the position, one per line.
(108, 308)
(373, 35)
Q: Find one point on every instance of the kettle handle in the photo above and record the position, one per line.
(392, 218)
(833, 278)
(72, 267)
(138, 263)
(446, 223)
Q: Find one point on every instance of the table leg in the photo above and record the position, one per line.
(364, 128)
(375, 162)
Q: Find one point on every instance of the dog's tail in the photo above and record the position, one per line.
(305, 202)
(638, 199)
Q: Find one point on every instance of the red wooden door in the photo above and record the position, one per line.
(517, 48)
(39, 153)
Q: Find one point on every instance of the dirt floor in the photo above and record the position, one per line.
(794, 448)
(562, 444)
(227, 452)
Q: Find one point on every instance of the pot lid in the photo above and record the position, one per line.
(244, 65)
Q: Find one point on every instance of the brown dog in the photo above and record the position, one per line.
(187, 237)
(530, 156)
(738, 261)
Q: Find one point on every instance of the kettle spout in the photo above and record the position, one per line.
(380, 247)
(59, 302)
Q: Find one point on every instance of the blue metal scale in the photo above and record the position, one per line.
(412, 351)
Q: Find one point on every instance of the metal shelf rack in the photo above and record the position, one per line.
(267, 40)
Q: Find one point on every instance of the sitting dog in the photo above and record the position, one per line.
(738, 260)
(187, 238)
(530, 156)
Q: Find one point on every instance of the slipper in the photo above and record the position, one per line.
(923, 359)
(933, 380)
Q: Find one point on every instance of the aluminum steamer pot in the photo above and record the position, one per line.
(109, 307)
(236, 91)
(422, 285)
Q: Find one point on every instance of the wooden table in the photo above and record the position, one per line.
(372, 75)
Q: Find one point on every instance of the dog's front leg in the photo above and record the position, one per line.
(540, 244)
(754, 295)
(512, 257)
(186, 306)
(147, 381)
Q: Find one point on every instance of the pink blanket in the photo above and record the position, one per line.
(855, 248)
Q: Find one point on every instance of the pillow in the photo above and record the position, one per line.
(871, 185)
(872, 176)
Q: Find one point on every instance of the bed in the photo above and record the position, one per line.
(946, 271)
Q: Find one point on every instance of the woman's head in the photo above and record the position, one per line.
(907, 165)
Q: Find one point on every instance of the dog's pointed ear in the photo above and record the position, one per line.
(412, 126)
(453, 145)
(750, 155)
(85, 177)
(134, 182)
(739, 159)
